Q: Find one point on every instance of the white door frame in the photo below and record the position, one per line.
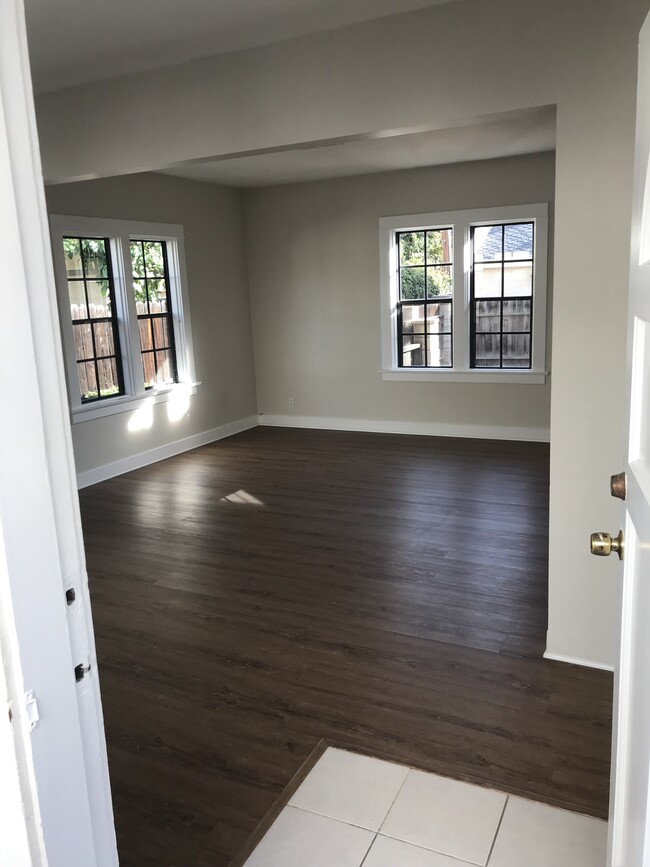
(58, 769)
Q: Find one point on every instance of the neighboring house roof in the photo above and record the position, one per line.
(518, 242)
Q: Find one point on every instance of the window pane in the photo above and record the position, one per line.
(487, 316)
(160, 332)
(94, 257)
(157, 290)
(516, 315)
(487, 281)
(77, 299)
(72, 251)
(87, 380)
(99, 298)
(439, 317)
(518, 278)
(137, 259)
(411, 248)
(439, 280)
(148, 369)
(140, 292)
(412, 318)
(83, 342)
(412, 283)
(108, 381)
(104, 344)
(516, 350)
(439, 246)
(413, 350)
(164, 372)
(488, 243)
(439, 350)
(518, 241)
(488, 350)
(153, 259)
(146, 340)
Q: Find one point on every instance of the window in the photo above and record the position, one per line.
(464, 295)
(501, 293)
(124, 313)
(153, 304)
(424, 308)
(94, 320)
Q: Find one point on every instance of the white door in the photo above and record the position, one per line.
(630, 813)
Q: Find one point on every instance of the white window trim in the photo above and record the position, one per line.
(120, 233)
(461, 222)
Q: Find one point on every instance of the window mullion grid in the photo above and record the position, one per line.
(91, 320)
(503, 290)
(533, 266)
(472, 300)
(89, 317)
(400, 335)
(426, 299)
(149, 317)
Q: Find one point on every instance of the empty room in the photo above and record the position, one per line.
(326, 359)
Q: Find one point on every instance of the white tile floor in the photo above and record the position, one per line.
(353, 810)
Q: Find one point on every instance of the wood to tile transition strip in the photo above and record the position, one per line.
(279, 804)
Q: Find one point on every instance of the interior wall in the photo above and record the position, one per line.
(212, 218)
(437, 67)
(313, 254)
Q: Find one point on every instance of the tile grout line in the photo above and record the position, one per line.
(390, 807)
(503, 812)
(331, 818)
(392, 803)
(372, 843)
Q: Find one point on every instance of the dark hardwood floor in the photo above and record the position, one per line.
(384, 592)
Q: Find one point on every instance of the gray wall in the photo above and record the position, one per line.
(219, 303)
(314, 279)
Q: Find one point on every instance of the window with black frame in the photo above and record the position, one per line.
(94, 317)
(424, 307)
(151, 287)
(501, 295)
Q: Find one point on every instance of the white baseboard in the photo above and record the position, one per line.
(435, 429)
(577, 660)
(142, 459)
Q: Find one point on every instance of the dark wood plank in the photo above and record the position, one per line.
(384, 593)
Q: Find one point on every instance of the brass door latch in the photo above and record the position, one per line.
(602, 544)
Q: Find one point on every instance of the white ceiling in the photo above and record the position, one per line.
(509, 134)
(76, 41)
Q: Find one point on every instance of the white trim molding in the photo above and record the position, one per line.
(143, 459)
(578, 660)
(415, 428)
(523, 377)
(129, 402)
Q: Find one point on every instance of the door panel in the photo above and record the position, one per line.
(629, 839)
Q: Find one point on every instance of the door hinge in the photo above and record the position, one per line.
(80, 671)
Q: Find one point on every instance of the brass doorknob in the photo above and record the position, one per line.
(602, 544)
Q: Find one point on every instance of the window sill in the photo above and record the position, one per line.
(130, 402)
(529, 377)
